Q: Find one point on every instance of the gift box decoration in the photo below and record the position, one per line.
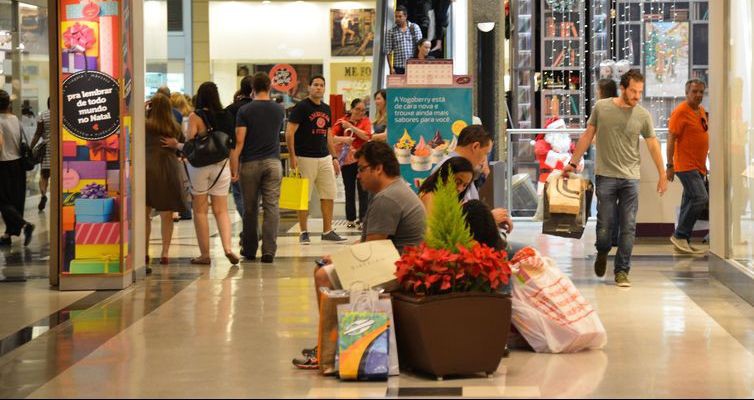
(80, 37)
(75, 62)
(94, 210)
(105, 149)
(113, 180)
(97, 251)
(82, 153)
(83, 183)
(69, 218)
(92, 267)
(109, 50)
(88, 169)
(68, 137)
(102, 233)
(69, 149)
(91, 10)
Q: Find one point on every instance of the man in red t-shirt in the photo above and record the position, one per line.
(688, 145)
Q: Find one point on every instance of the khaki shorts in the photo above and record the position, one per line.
(321, 175)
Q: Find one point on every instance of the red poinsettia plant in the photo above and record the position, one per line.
(449, 260)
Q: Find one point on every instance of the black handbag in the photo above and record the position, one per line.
(28, 161)
(209, 148)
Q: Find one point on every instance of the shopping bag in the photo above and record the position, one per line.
(294, 192)
(564, 195)
(549, 311)
(370, 262)
(567, 225)
(363, 339)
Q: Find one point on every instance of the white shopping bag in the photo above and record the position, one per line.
(370, 262)
(550, 312)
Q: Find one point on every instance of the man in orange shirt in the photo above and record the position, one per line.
(688, 145)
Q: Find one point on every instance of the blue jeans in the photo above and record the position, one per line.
(694, 201)
(623, 195)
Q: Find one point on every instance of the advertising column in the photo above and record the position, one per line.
(96, 72)
(426, 110)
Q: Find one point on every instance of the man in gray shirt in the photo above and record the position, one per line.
(617, 123)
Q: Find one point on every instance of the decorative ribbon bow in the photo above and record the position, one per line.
(104, 147)
(93, 191)
(78, 38)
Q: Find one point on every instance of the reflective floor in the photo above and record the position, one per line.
(222, 331)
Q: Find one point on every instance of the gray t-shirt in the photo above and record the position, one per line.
(397, 212)
(618, 131)
(10, 128)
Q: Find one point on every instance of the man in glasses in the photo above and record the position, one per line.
(688, 145)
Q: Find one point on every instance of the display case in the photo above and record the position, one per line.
(524, 58)
(599, 45)
(563, 62)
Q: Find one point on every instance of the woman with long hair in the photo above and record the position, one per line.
(379, 123)
(211, 182)
(463, 174)
(423, 47)
(165, 190)
(178, 101)
(353, 131)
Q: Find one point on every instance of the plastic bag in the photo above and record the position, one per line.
(549, 311)
(363, 338)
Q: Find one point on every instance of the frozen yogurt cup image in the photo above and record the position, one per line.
(438, 146)
(420, 159)
(453, 144)
(403, 148)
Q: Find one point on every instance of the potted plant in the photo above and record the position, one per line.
(450, 318)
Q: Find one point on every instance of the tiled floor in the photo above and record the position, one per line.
(223, 331)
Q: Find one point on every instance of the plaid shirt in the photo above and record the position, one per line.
(402, 43)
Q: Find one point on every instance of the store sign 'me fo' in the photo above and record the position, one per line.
(91, 105)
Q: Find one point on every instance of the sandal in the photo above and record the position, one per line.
(201, 261)
(232, 258)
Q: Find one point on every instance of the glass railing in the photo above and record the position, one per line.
(524, 168)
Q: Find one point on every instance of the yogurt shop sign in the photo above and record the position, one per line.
(91, 105)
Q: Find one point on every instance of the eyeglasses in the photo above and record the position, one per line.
(361, 168)
(704, 124)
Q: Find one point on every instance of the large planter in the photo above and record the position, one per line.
(452, 334)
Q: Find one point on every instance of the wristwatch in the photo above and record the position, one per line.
(668, 165)
(573, 165)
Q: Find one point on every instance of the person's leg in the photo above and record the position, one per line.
(220, 209)
(200, 206)
(271, 207)
(628, 196)
(250, 176)
(328, 207)
(607, 195)
(695, 198)
(308, 168)
(348, 172)
(363, 202)
(166, 218)
(325, 184)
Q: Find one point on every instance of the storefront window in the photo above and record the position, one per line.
(740, 127)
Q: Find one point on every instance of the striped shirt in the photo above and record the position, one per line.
(402, 44)
(44, 118)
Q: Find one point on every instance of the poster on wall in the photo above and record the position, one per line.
(290, 82)
(94, 113)
(352, 80)
(423, 126)
(666, 58)
(351, 32)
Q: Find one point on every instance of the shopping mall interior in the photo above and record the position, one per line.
(86, 316)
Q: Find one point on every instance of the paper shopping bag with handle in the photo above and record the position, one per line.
(294, 192)
(370, 262)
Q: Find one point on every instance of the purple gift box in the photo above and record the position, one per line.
(88, 169)
(75, 62)
(113, 180)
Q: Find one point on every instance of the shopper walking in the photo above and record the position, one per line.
(401, 40)
(166, 192)
(351, 132)
(211, 181)
(311, 149)
(617, 124)
(12, 176)
(43, 134)
(258, 126)
(243, 98)
(688, 145)
(180, 103)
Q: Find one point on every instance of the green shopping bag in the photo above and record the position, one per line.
(294, 192)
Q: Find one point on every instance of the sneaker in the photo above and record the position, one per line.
(267, 258)
(333, 237)
(28, 230)
(42, 203)
(600, 264)
(697, 250)
(308, 362)
(303, 238)
(309, 352)
(681, 245)
(621, 279)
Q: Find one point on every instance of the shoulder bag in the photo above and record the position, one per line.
(207, 149)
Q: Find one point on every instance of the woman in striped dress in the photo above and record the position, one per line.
(43, 133)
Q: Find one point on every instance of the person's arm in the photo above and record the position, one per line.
(235, 155)
(193, 129)
(426, 199)
(361, 133)
(670, 173)
(38, 134)
(389, 51)
(654, 149)
(581, 147)
(290, 134)
(333, 153)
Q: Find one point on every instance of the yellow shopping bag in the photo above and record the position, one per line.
(294, 192)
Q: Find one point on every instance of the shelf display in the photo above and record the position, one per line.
(524, 68)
